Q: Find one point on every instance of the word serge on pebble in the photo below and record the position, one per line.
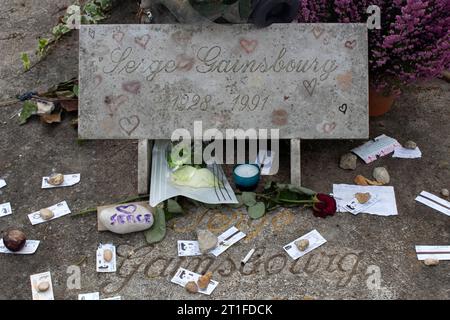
(210, 60)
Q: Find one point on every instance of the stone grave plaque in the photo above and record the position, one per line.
(144, 81)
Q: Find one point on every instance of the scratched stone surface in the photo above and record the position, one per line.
(310, 81)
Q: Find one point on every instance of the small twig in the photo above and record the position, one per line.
(94, 209)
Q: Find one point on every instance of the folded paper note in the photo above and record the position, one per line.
(378, 147)
(434, 202)
(385, 206)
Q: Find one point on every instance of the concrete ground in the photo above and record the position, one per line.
(366, 257)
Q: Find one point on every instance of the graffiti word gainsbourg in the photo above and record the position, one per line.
(343, 266)
(211, 59)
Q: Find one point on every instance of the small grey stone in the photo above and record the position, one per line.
(206, 240)
(348, 161)
(381, 175)
(445, 192)
(410, 145)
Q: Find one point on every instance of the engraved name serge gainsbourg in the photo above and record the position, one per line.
(211, 59)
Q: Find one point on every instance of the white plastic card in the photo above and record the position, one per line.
(30, 247)
(407, 153)
(433, 252)
(89, 296)
(69, 180)
(434, 202)
(2, 183)
(354, 207)
(5, 209)
(183, 276)
(315, 241)
(59, 210)
(102, 265)
(188, 248)
(36, 280)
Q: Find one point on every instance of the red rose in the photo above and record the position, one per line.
(326, 206)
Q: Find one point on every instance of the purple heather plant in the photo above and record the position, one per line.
(413, 43)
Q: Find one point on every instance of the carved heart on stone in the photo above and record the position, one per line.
(317, 32)
(118, 36)
(91, 33)
(142, 41)
(343, 108)
(249, 45)
(129, 124)
(126, 218)
(114, 103)
(133, 87)
(310, 85)
(350, 44)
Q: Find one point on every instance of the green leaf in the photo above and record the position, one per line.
(287, 194)
(158, 230)
(173, 206)
(257, 211)
(42, 46)
(304, 190)
(25, 61)
(249, 198)
(237, 205)
(76, 90)
(60, 30)
(29, 108)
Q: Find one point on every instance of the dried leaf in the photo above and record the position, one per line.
(158, 230)
(70, 105)
(51, 118)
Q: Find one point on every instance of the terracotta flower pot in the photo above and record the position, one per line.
(379, 104)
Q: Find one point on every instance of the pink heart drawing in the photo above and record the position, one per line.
(328, 127)
(118, 36)
(317, 32)
(97, 80)
(133, 87)
(142, 41)
(350, 44)
(129, 124)
(310, 85)
(114, 103)
(182, 37)
(248, 45)
(185, 62)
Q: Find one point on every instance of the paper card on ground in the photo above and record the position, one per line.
(102, 265)
(188, 248)
(434, 202)
(5, 209)
(2, 183)
(385, 206)
(227, 239)
(37, 279)
(354, 207)
(59, 210)
(378, 147)
(69, 180)
(162, 188)
(30, 247)
(113, 298)
(183, 276)
(315, 241)
(265, 161)
(407, 153)
(89, 296)
(433, 252)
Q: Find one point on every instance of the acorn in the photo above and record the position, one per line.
(56, 179)
(14, 240)
(191, 287)
(204, 280)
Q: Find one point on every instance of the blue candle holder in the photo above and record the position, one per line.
(246, 176)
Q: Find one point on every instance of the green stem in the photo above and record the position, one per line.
(94, 209)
